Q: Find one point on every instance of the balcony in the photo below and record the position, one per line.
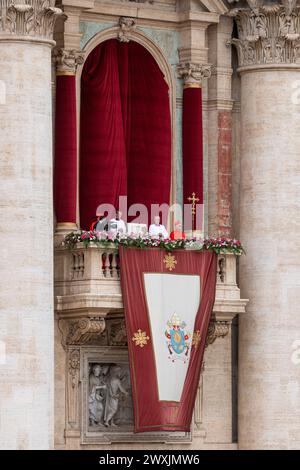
(87, 285)
(89, 321)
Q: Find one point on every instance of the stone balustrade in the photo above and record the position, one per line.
(87, 282)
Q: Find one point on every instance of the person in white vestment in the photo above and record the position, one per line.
(101, 223)
(157, 230)
(117, 225)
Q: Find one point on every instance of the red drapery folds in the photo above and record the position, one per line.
(149, 156)
(102, 144)
(125, 129)
(192, 151)
(65, 174)
(168, 299)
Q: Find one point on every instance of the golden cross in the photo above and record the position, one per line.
(193, 199)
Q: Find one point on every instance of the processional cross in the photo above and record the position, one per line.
(193, 199)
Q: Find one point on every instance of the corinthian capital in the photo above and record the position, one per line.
(67, 61)
(268, 32)
(193, 74)
(28, 19)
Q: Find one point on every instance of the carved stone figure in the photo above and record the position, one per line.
(126, 25)
(114, 388)
(109, 400)
(96, 396)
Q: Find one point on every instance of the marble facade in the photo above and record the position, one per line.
(57, 328)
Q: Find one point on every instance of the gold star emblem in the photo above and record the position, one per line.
(140, 338)
(170, 261)
(196, 339)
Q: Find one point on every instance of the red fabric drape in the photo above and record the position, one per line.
(125, 129)
(102, 144)
(150, 414)
(65, 172)
(149, 165)
(192, 145)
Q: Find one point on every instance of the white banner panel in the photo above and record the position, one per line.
(173, 301)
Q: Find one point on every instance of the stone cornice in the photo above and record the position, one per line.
(81, 4)
(29, 20)
(268, 34)
(217, 6)
(148, 16)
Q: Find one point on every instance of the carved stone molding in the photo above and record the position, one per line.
(74, 365)
(267, 33)
(139, 1)
(217, 329)
(32, 19)
(193, 74)
(117, 332)
(126, 25)
(72, 389)
(82, 331)
(67, 61)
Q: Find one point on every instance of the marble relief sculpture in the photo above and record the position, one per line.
(97, 386)
(109, 401)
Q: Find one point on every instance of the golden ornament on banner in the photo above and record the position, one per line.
(170, 261)
(196, 339)
(140, 338)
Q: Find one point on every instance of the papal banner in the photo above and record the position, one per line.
(168, 299)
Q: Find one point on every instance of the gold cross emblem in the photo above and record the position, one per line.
(193, 199)
(140, 338)
(196, 339)
(170, 261)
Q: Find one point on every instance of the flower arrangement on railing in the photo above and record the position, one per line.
(107, 239)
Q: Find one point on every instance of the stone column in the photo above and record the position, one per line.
(269, 379)
(65, 169)
(26, 326)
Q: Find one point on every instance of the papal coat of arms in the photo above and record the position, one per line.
(178, 339)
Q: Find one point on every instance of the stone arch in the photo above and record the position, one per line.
(141, 38)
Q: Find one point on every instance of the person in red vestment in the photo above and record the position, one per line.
(178, 234)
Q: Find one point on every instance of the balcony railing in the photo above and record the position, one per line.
(87, 281)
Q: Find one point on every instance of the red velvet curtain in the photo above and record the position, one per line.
(125, 136)
(102, 144)
(149, 164)
(192, 145)
(65, 173)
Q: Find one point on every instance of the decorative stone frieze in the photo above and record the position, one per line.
(81, 331)
(29, 19)
(268, 33)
